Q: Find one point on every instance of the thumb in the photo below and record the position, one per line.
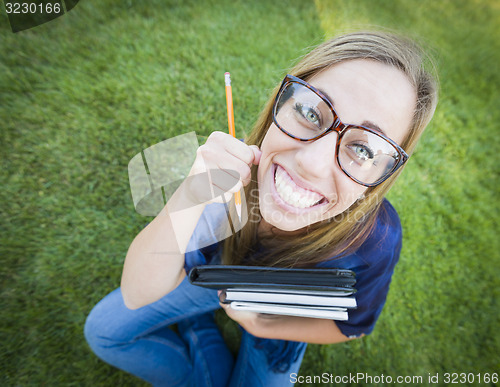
(256, 154)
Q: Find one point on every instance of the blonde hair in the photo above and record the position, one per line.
(345, 232)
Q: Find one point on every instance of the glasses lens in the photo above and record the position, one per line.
(365, 156)
(302, 112)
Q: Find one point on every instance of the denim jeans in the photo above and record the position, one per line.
(141, 342)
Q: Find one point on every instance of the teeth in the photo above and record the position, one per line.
(291, 193)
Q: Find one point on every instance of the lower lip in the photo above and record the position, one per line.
(285, 206)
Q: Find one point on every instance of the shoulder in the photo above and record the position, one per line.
(380, 249)
(388, 216)
(212, 227)
(385, 236)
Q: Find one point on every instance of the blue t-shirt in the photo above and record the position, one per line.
(373, 263)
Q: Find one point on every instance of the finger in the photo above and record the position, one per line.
(224, 181)
(235, 315)
(226, 307)
(240, 150)
(232, 146)
(236, 165)
(218, 191)
(256, 154)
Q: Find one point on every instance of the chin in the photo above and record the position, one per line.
(287, 221)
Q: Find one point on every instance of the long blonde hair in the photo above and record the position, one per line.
(345, 232)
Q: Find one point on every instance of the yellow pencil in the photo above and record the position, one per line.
(230, 123)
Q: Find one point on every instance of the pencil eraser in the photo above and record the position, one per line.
(227, 79)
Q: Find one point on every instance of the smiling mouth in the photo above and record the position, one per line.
(292, 194)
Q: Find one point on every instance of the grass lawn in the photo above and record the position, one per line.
(81, 95)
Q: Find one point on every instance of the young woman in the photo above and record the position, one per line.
(326, 149)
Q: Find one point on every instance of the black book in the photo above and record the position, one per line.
(317, 293)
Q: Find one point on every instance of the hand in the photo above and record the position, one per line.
(228, 162)
(254, 323)
(248, 320)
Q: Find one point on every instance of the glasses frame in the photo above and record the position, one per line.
(340, 128)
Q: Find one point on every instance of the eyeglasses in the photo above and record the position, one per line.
(364, 154)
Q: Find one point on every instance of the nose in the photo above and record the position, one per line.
(318, 158)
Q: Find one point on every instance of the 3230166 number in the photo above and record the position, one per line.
(33, 8)
(470, 378)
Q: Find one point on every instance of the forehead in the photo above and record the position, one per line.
(366, 91)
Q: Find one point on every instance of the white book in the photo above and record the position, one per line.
(327, 292)
(291, 310)
(289, 297)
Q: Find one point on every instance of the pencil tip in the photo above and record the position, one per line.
(238, 211)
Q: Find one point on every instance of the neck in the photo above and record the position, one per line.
(265, 229)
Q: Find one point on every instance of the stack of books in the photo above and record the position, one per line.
(316, 293)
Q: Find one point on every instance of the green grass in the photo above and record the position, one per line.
(81, 95)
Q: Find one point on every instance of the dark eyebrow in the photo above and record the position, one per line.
(326, 95)
(373, 126)
(368, 124)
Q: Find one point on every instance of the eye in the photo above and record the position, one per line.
(362, 152)
(308, 113)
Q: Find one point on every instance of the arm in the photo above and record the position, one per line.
(309, 330)
(154, 264)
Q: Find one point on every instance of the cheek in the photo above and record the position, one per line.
(272, 141)
(348, 193)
